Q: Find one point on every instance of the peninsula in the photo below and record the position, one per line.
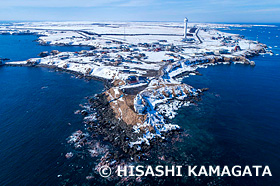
(142, 65)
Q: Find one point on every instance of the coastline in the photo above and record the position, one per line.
(107, 117)
(133, 103)
(102, 118)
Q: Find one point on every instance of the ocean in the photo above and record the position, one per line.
(22, 47)
(37, 114)
(237, 121)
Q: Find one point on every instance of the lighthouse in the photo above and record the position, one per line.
(185, 27)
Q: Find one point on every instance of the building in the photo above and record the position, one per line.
(186, 30)
(185, 27)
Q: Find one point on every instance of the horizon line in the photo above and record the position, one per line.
(217, 22)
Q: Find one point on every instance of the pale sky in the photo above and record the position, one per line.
(242, 11)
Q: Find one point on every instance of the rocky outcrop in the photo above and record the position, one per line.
(122, 106)
(113, 129)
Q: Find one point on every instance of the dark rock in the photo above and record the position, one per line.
(84, 112)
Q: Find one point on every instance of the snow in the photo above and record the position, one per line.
(100, 64)
(16, 63)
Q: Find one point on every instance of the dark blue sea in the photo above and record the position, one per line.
(237, 121)
(22, 47)
(37, 114)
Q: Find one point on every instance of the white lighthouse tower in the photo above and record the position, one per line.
(185, 28)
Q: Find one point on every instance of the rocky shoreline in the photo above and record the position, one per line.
(117, 131)
(120, 133)
(107, 83)
(131, 121)
(114, 130)
(103, 121)
(143, 91)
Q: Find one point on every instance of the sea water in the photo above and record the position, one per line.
(37, 114)
(237, 122)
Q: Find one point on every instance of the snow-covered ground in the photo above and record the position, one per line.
(124, 49)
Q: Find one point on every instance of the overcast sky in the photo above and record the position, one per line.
(246, 11)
